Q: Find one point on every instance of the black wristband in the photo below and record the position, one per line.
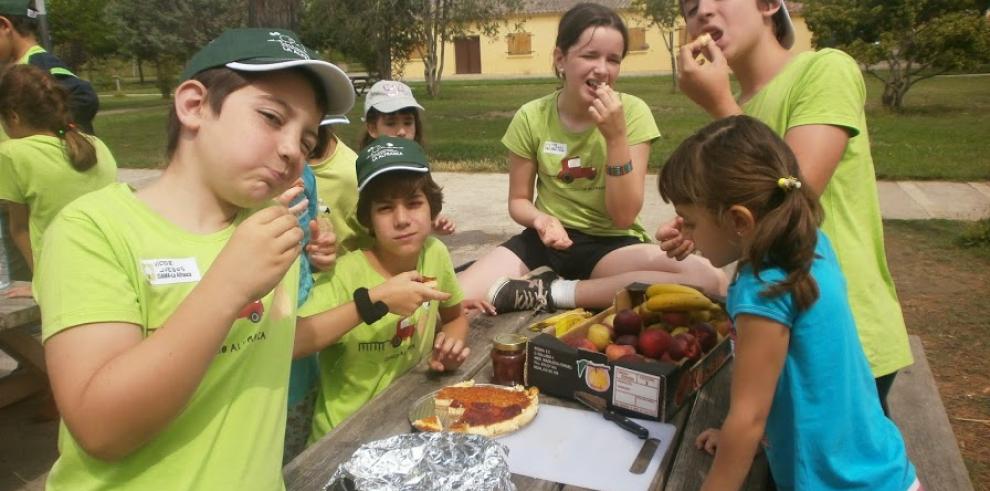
(619, 170)
(369, 312)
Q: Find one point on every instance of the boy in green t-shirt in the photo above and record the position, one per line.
(169, 313)
(383, 338)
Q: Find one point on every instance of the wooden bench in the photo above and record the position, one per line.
(362, 83)
(20, 337)
(917, 408)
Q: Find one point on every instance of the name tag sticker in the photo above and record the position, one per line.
(171, 271)
(554, 148)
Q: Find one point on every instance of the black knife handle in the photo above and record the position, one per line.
(627, 424)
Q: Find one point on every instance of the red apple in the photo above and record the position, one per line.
(627, 321)
(676, 318)
(691, 348)
(706, 335)
(633, 357)
(654, 343)
(617, 351)
(581, 343)
(627, 339)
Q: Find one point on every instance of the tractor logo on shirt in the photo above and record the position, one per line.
(252, 311)
(404, 329)
(570, 169)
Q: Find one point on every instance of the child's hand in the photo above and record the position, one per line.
(405, 292)
(448, 353)
(19, 292)
(672, 241)
(706, 82)
(443, 225)
(322, 247)
(607, 112)
(285, 199)
(477, 306)
(708, 440)
(259, 253)
(552, 233)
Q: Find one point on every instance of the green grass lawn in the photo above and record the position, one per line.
(942, 134)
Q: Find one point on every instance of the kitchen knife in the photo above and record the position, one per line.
(644, 456)
(598, 404)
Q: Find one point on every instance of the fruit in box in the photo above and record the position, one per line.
(580, 342)
(627, 339)
(654, 343)
(600, 335)
(615, 351)
(679, 330)
(706, 335)
(627, 321)
(676, 318)
(684, 346)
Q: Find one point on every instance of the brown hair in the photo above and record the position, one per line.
(398, 184)
(220, 83)
(739, 161)
(41, 104)
(374, 115)
(582, 16)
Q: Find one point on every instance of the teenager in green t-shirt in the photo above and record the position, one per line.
(48, 162)
(815, 101)
(384, 338)
(169, 313)
(586, 146)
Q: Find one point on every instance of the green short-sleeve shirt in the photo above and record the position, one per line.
(570, 178)
(368, 358)
(826, 87)
(110, 258)
(36, 171)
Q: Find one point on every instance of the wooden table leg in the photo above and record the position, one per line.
(32, 376)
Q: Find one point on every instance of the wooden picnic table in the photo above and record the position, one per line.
(683, 468)
(20, 320)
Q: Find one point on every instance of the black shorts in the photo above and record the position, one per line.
(574, 263)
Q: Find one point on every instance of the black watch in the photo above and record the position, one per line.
(369, 312)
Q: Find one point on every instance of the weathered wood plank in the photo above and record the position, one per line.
(916, 407)
(24, 347)
(19, 385)
(690, 465)
(17, 312)
(386, 414)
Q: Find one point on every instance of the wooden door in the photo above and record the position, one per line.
(467, 54)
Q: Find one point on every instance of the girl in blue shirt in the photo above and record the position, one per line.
(800, 376)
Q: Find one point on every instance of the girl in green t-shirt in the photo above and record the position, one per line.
(586, 147)
(48, 162)
(815, 101)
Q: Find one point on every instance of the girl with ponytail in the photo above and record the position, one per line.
(800, 376)
(48, 162)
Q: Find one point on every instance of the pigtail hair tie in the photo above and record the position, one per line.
(788, 183)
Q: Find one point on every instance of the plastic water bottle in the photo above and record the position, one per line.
(4, 263)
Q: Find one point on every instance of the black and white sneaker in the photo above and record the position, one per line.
(532, 292)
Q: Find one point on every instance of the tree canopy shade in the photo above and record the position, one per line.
(901, 42)
(167, 32)
(664, 14)
(79, 29)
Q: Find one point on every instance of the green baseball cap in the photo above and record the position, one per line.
(387, 154)
(266, 50)
(18, 7)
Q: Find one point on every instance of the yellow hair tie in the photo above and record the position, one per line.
(788, 183)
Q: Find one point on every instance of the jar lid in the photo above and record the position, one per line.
(510, 342)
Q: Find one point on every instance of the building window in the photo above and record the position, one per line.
(520, 43)
(637, 39)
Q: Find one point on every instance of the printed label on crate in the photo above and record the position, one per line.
(544, 361)
(636, 391)
(595, 375)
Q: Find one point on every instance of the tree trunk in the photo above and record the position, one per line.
(673, 60)
(274, 13)
(140, 65)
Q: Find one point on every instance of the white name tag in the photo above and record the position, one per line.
(170, 271)
(554, 148)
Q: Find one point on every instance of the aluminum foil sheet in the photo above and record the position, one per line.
(426, 462)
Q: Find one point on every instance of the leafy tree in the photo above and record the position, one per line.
(901, 42)
(376, 33)
(79, 30)
(665, 14)
(167, 32)
(439, 22)
(274, 13)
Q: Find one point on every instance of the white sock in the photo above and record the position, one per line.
(562, 292)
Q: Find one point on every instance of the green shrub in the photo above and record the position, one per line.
(976, 235)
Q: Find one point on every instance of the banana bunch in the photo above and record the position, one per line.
(562, 322)
(668, 296)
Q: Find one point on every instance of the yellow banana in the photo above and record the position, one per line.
(678, 301)
(661, 288)
(562, 322)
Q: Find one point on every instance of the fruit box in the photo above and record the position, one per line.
(644, 389)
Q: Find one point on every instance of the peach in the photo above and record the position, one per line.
(654, 343)
(617, 351)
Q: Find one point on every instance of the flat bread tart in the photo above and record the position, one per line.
(487, 410)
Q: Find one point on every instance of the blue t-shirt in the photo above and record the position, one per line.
(826, 429)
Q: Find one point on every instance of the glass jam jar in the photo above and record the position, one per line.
(509, 359)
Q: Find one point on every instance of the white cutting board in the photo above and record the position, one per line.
(581, 448)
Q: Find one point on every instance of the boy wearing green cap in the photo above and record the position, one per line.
(170, 312)
(397, 202)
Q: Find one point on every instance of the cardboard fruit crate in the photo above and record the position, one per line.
(645, 389)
